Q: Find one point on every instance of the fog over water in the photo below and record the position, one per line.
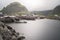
(43, 29)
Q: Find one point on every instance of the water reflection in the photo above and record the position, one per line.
(44, 29)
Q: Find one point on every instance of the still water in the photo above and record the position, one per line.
(43, 29)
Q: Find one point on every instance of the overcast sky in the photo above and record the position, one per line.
(33, 5)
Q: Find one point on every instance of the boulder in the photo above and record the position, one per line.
(8, 33)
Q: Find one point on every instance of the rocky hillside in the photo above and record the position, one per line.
(14, 7)
(56, 10)
(8, 33)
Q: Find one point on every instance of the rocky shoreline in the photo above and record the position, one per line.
(8, 33)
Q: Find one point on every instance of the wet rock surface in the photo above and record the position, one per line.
(8, 33)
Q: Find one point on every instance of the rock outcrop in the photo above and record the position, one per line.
(8, 33)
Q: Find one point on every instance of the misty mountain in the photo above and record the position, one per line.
(46, 12)
(56, 10)
(14, 7)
